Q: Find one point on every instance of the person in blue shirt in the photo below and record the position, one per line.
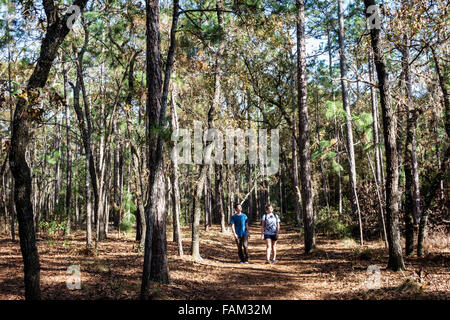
(239, 225)
(270, 228)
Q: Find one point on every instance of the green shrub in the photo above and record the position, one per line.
(52, 227)
(328, 223)
(126, 226)
(127, 222)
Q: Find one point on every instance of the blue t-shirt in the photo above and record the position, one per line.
(239, 224)
(271, 220)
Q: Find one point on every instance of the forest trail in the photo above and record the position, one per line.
(334, 271)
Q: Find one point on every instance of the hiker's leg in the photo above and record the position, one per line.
(245, 244)
(274, 249)
(268, 248)
(241, 255)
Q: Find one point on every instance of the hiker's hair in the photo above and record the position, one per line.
(236, 205)
(268, 206)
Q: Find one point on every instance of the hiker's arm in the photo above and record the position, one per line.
(278, 228)
(263, 225)
(246, 228)
(234, 231)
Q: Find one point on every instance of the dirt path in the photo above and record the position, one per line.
(334, 271)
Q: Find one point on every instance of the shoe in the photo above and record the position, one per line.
(274, 261)
(245, 261)
(267, 262)
(242, 262)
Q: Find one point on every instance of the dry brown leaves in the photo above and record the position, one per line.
(333, 271)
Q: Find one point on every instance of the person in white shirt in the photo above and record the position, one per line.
(270, 228)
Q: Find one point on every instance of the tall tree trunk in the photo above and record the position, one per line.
(197, 213)
(379, 177)
(257, 206)
(140, 236)
(204, 168)
(345, 103)
(116, 187)
(389, 128)
(249, 186)
(155, 256)
(171, 52)
(101, 164)
(336, 129)
(177, 237)
(412, 193)
(11, 207)
(250, 209)
(297, 195)
(88, 208)
(85, 124)
(56, 32)
(57, 166)
(436, 182)
(303, 137)
(68, 151)
(218, 195)
(322, 170)
(207, 199)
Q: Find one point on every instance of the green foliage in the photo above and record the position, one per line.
(129, 218)
(336, 166)
(127, 223)
(52, 227)
(335, 109)
(328, 223)
(128, 203)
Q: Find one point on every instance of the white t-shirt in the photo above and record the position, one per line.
(271, 220)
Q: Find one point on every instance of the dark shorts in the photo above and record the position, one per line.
(273, 238)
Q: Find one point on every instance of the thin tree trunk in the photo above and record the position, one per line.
(303, 137)
(322, 170)
(345, 103)
(12, 208)
(219, 192)
(68, 151)
(177, 237)
(85, 125)
(436, 182)
(380, 203)
(296, 191)
(375, 128)
(203, 168)
(88, 208)
(336, 129)
(412, 193)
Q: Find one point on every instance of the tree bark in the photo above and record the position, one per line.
(56, 32)
(85, 126)
(412, 192)
(297, 195)
(436, 182)
(345, 103)
(69, 151)
(155, 256)
(379, 179)
(303, 137)
(177, 237)
(218, 196)
(204, 167)
(389, 129)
